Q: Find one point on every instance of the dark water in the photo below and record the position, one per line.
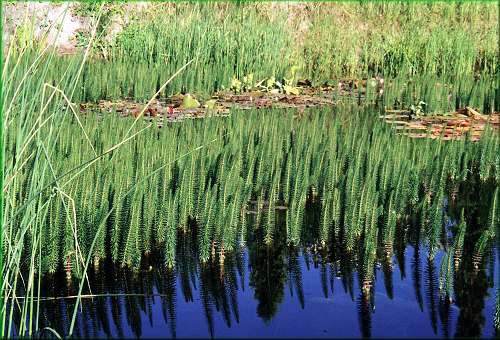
(296, 295)
(310, 300)
(276, 291)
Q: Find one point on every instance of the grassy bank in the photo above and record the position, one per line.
(324, 40)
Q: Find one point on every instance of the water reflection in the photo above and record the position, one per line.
(135, 300)
(274, 290)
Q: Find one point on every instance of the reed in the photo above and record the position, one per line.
(211, 189)
(157, 43)
(81, 190)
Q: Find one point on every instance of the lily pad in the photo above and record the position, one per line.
(210, 104)
(291, 90)
(189, 102)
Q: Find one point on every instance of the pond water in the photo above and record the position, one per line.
(307, 299)
(277, 291)
(428, 281)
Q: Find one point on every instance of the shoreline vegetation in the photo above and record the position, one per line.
(83, 188)
(133, 51)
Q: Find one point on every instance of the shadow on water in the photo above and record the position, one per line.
(275, 290)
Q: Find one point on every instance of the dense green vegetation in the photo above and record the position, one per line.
(326, 41)
(206, 171)
(202, 176)
(215, 289)
(79, 189)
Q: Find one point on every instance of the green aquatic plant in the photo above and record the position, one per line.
(497, 308)
(366, 180)
(458, 243)
(188, 102)
(446, 277)
(418, 109)
(435, 225)
(81, 188)
(488, 234)
(326, 218)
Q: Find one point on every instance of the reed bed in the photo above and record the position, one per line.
(204, 177)
(202, 174)
(80, 190)
(401, 38)
(325, 41)
(221, 285)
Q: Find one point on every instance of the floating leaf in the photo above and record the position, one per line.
(248, 81)
(189, 102)
(270, 82)
(235, 85)
(291, 90)
(210, 104)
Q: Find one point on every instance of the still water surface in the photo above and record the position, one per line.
(277, 291)
(263, 293)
